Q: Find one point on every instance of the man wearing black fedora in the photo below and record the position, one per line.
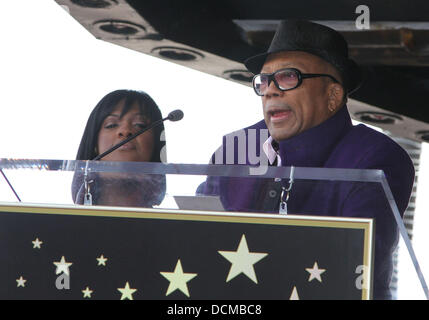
(304, 79)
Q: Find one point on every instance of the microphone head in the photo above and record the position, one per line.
(175, 115)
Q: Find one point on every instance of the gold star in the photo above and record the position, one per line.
(87, 292)
(21, 282)
(63, 266)
(315, 272)
(178, 279)
(127, 292)
(37, 243)
(242, 260)
(102, 260)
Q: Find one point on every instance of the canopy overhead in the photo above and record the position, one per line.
(217, 36)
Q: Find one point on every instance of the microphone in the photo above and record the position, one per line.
(175, 115)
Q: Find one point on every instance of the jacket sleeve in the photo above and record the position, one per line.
(369, 200)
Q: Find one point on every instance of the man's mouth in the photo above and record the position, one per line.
(279, 115)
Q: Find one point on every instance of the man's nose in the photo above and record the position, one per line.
(272, 90)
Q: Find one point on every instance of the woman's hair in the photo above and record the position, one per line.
(148, 108)
(152, 193)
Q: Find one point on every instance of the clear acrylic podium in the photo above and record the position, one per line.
(128, 230)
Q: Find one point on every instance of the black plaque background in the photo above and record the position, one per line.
(138, 249)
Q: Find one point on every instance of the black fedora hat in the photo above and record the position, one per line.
(314, 38)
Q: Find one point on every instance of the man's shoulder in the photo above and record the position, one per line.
(369, 138)
(260, 125)
(364, 145)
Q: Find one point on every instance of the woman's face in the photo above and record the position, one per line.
(115, 129)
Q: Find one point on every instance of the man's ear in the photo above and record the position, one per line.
(335, 96)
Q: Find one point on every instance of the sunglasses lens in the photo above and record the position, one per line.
(260, 84)
(287, 79)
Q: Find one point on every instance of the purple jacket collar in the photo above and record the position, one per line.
(312, 147)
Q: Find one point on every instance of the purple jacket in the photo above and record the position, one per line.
(335, 143)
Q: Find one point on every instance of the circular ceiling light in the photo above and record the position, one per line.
(97, 4)
(238, 75)
(423, 135)
(178, 54)
(120, 27)
(378, 117)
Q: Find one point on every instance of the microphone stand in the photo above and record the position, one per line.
(116, 146)
(175, 115)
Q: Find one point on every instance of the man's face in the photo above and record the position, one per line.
(288, 113)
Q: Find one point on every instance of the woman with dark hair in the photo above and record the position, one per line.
(117, 116)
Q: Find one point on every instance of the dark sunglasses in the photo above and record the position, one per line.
(284, 79)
